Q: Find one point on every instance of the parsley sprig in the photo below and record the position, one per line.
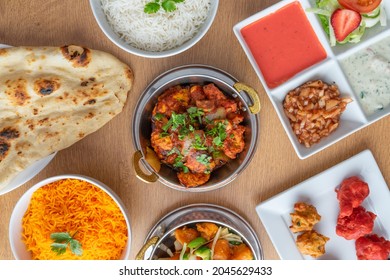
(167, 5)
(61, 242)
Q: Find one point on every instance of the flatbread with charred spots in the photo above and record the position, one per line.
(52, 97)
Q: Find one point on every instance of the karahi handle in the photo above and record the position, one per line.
(141, 254)
(255, 108)
(147, 178)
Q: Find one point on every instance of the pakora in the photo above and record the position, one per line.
(312, 243)
(304, 217)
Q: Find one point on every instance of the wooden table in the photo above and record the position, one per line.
(106, 154)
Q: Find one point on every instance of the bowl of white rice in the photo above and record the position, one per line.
(154, 28)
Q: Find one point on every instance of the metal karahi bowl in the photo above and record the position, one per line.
(194, 74)
(160, 237)
(19, 248)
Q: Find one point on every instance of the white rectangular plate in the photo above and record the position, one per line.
(320, 192)
(329, 70)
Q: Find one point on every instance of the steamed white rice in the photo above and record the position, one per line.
(155, 32)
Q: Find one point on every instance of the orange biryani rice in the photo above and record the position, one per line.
(74, 206)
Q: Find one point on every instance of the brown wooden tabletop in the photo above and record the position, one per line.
(106, 154)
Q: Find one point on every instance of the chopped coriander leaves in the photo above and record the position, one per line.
(178, 120)
(195, 114)
(217, 141)
(184, 131)
(199, 144)
(219, 133)
(179, 163)
(175, 121)
(158, 116)
(166, 126)
(173, 151)
(204, 159)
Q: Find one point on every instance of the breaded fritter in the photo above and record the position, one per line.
(312, 243)
(304, 217)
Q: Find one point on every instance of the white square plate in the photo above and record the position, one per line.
(320, 192)
(328, 70)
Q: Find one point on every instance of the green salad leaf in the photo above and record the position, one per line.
(324, 10)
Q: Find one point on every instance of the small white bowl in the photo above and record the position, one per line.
(109, 32)
(19, 249)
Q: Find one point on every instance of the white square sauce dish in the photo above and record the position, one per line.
(311, 76)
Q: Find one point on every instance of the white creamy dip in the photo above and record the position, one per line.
(368, 72)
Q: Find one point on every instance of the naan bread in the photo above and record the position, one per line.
(51, 97)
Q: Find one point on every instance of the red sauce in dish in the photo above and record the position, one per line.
(283, 44)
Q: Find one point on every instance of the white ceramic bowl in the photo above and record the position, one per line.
(15, 226)
(109, 32)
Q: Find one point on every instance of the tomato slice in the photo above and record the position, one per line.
(361, 6)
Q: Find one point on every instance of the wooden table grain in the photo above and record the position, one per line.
(106, 154)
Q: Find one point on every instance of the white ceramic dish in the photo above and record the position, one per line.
(15, 226)
(328, 70)
(108, 31)
(27, 174)
(320, 192)
(31, 171)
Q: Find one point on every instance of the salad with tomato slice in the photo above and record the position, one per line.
(345, 21)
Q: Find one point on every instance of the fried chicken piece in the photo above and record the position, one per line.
(186, 235)
(351, 194)
(196, 93)
(207, 230)
(213, 93)
(192, 179)
(222, 250)
(234, 142)
(359, 223)
(174, 99)
(242, 252)
(372, 247)
(304, 217)
(312, 243)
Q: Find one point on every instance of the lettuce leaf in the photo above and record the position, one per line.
(324, 10)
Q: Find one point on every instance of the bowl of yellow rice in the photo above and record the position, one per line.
(70, 217)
